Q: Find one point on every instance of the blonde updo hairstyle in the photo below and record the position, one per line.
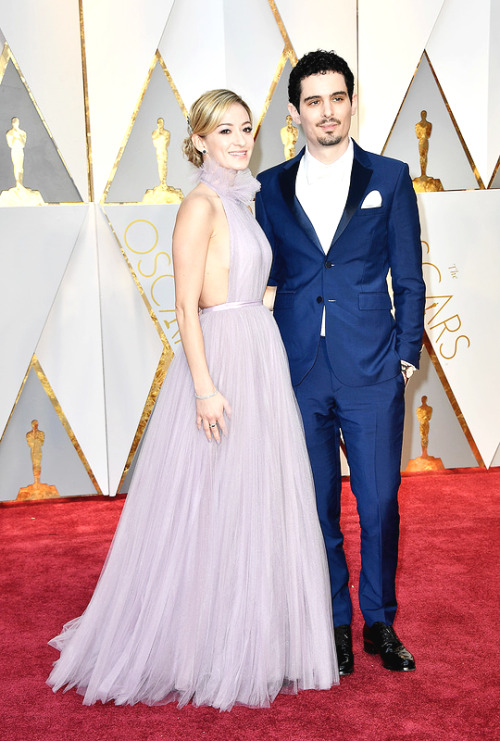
(205, 115)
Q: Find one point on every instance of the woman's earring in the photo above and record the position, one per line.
(204, 151)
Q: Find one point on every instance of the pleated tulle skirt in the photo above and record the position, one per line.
(215, 589)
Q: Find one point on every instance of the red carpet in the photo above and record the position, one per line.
(448, 587)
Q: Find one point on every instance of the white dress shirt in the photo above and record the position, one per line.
(322, 192)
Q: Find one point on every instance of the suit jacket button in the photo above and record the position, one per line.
(320, 299)
(328, 264)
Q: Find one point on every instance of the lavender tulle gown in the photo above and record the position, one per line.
(215, 588)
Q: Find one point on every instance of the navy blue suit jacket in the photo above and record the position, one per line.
(366, 339)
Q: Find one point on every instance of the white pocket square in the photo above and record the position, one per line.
(372, 200)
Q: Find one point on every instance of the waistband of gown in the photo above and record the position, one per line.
(231, 305)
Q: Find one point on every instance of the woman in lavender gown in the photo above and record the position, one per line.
(215, 589)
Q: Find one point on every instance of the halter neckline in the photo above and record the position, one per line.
(236, 185)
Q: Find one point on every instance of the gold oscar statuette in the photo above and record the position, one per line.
(424, 183)
(162, 193)
(35, 439)
(289, 136)
(19, 195)
(424, 462)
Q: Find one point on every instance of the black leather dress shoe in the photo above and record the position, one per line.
(343, 644)
(381, 639)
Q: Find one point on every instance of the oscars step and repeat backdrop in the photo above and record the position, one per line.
(93, 99)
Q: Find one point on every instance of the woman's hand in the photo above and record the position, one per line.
(210, 415)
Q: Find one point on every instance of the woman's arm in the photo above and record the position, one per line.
(269, 297)
(190, 245)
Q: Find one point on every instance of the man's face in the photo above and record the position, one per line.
(325, 114)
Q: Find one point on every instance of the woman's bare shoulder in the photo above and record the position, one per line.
(198, 213)
(201, 200)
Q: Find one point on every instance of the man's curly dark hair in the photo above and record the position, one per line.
(316, 63)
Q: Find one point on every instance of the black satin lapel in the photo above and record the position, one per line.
(360, 177)
(305, 224)
(287, 178)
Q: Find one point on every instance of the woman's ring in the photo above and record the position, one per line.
(215, 425)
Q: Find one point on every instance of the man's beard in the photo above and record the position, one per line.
(329, 141)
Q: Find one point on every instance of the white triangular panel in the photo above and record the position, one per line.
(462, 273)
(494, 92)
(70, 351)
(465, 54)
(392, 37)
(229, 36)
(446, 158)
(251, 27)
(35, 247)
(187, 63)
(121, 39)
(145, 235)
(61, 465)
(131, 350)
(51, 62)
(137, 170)
(325, 25)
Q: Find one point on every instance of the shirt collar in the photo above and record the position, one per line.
(315, 170)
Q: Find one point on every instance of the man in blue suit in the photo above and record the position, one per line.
(339, 219)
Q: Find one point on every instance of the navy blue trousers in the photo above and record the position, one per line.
(371, 419)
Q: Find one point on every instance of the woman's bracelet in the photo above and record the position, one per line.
(208, 396)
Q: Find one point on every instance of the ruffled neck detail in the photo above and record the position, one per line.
(236, 185)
